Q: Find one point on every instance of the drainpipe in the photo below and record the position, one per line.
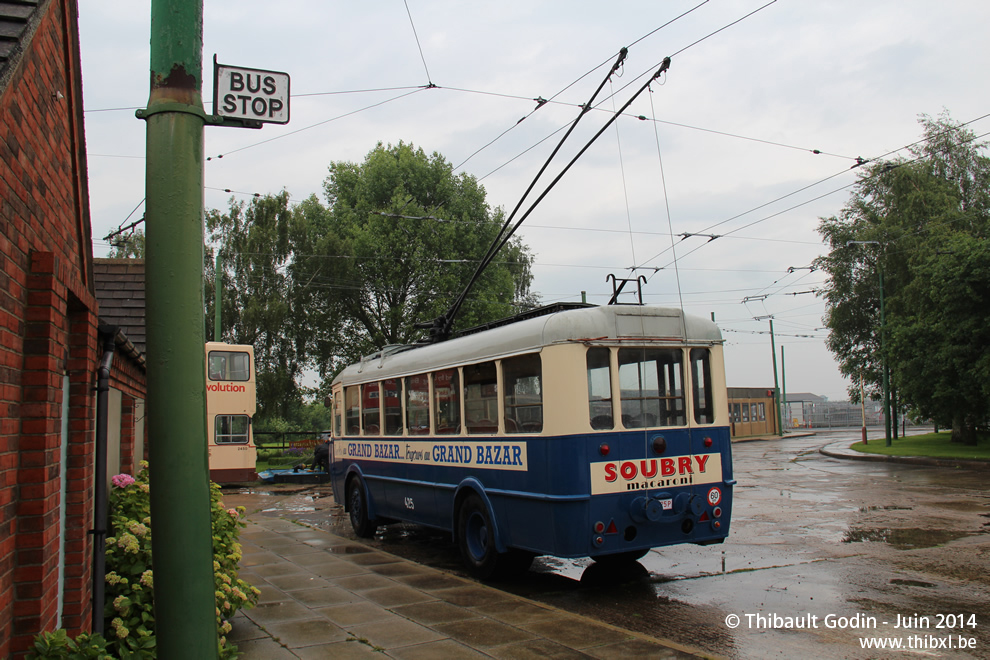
(99, 532)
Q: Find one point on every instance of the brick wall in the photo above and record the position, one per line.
(48, 328)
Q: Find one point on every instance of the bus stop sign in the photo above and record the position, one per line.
(253, 95)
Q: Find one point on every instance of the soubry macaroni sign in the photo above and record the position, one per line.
(491, 455)
(650, 473)
(250, 94)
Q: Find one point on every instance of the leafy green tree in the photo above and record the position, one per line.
(257, 301)
(130, 246)
(315, 287)
(940, 343)
(897, 224)
(414, 233)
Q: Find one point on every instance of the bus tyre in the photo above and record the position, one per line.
(476, 537)
(357, 506)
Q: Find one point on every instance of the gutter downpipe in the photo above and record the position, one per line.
(99, 531)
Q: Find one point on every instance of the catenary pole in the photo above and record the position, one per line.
(776, 388)
(185, 609)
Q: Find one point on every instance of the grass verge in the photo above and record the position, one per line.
(934, 445)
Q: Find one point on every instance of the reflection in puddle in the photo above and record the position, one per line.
(904, 539)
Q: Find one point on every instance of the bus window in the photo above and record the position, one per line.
(371, 409)
(352, 410)
(701, 380)
(599, 388)
(229, 365)
(418, 405)
(523, 394)
(231, 429)
(393, 409)
(650, 381)
(481, 398)
(446, 402)
(338, 415)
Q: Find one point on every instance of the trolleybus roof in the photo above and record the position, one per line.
(601, 324)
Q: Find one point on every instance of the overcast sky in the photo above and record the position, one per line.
(727, 147)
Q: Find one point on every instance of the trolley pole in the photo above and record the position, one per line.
(185, 610)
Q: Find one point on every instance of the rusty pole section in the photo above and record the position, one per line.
(182, 546)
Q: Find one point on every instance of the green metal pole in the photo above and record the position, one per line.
(182, 547)
(216, 299)
(776, 388)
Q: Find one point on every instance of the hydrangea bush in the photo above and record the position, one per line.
(130, 629)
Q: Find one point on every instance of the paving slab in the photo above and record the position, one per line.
(325, 596)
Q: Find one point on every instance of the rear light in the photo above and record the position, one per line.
(604, 449)
(707, 442)
(599, 527)
(716, 524)
(717, 512)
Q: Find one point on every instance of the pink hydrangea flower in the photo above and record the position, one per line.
(122, 480)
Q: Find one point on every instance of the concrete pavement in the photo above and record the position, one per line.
(325, 596)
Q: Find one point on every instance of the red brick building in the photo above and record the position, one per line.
(50, 339)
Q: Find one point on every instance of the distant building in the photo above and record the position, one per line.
(800, 409)
(752, 411)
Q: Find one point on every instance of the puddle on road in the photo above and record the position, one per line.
(913, 583)
(904, 539)
(867, 509)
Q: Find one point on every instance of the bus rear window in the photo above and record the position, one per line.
(231, 429)
(651, 384)
(446, 402)
(701, 381)
(599, 388)
(229, 365)
(523, 393)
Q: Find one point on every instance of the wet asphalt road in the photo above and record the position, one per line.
(813, 538)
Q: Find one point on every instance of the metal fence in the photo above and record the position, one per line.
(833, 414)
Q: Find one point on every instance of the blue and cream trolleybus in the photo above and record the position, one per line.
(577, 431)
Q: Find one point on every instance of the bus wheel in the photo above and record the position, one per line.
(358, 507)
(476, 538)
(621, 557)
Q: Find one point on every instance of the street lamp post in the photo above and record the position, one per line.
(883, 349)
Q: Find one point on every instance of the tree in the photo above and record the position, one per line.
(902, 214)
(316, 287)
(414, 233)
(127, 247)
(258, 304)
